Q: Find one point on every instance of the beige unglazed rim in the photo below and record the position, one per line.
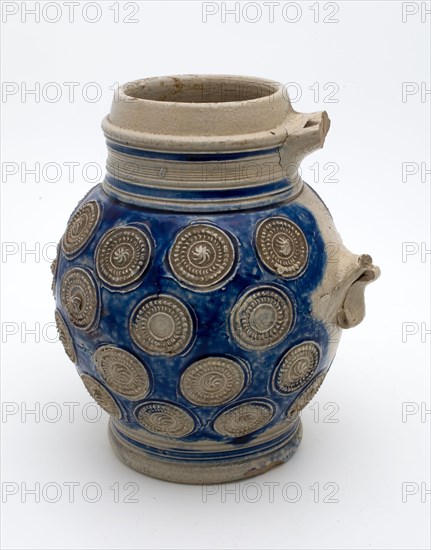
(201, 472)
(169, 113)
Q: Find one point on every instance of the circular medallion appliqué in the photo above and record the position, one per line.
(202, 256)
(65, 337)
(297, 367)
(261, 318)
(79, 297)
(54, 269)
(80, 228)
(122, 372)
(122, 256)
(212, 381)
(165, 419)
(282, 247)
(243, 419)
(161, 325)
(305, 397)
(101, 396)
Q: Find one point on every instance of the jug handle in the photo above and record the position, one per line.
(352, 310)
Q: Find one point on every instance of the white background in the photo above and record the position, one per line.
(369, 454)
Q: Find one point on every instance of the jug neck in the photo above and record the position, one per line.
(208, 142)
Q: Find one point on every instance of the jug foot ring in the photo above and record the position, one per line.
(203, 472)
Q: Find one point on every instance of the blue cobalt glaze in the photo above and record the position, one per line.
(210, 312)
(200, 157)
(201, 194)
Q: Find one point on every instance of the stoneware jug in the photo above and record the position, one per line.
(198, 286)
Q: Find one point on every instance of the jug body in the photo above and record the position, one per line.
(202, 288)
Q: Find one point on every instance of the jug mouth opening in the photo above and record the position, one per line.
(201, 89)
(199, 112)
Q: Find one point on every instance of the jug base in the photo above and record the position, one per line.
(203, 472)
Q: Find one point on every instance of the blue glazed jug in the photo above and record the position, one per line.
(198, 286)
